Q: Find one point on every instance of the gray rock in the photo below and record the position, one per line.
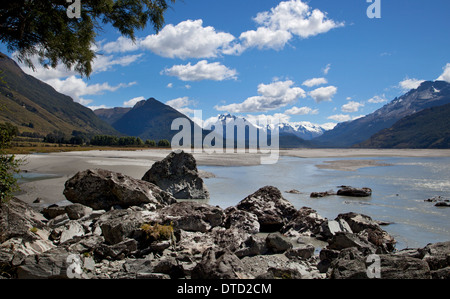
(77, 211)
(71, 229)
(218, 264)
(118, 225)
(354, 192)
(49, 265)
(178, 175)
(241, 219)
(304, 251)
(103, 189)
(191, 216)
(273, 211)
(305, 221)
(278, 243)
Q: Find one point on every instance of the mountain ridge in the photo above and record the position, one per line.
(428, 94)
(36, 107)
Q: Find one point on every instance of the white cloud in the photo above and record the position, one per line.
(279, 25)
(301, 111)
(340, 117)
(121, 45)
(344, 117)
(103, 63)
(378, 99)
(76, 88)
(323, 94)
(446, 74)
(315, 82)
(265, 38)
(188, 39)
(271, 96)
(181, 104)
(170, 85)
(201, 71)
(409, 84)
(352, 106)
(296, 17)
(327, 69)
(133, 101)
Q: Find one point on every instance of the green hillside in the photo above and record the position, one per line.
(36, 107)
(429, 128)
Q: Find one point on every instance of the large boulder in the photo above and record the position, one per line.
(354, 192)
(178, 175)
(219, 264)
(273, 211)
(194, 217)
(102, 189)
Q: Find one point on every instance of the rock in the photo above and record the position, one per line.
(278, 243)
(49, 265)
(18, 219)
(103, 189)
(191, 216)
(354, 192)
(329, 228)
(219, 264)
(442, 204)
(253, 246)
(293, 191)
(343, 240)
(242, 220)
(178, 175)
(280, 273)
(305, 221)
(272, 210)
(401, 267)
(374, 234)
(118, 225)
(77, 211)
(436, 255)
(71, 229)
(322, 194)
(304, 251)
(53, 211)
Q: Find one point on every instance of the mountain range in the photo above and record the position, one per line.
(429, 94)
(148, 119)
(36, 107)
(417, 119)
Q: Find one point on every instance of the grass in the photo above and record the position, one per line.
(28, 148)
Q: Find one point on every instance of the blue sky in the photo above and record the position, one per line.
(323, 61)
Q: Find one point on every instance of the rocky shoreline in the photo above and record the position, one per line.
(123, 228)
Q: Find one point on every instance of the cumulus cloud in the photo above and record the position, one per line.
(271, 96)
(446, 74)
(297, 18)
(352, 107)
(340, 117)
(301, 111)
(409, 84)
(378, 100)
(201, 71)
(188, 39)
(181, 104)
(265, 38)
(323, 94)
(121, 45)
(133, 101)
(315, 82)
(77, 88)
(279, 25)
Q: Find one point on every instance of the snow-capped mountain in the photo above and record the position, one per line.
(304, 130)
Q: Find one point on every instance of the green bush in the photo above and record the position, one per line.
(9, 165)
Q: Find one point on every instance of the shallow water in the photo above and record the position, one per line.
(398, 195)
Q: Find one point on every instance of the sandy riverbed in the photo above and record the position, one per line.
(136, 163)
